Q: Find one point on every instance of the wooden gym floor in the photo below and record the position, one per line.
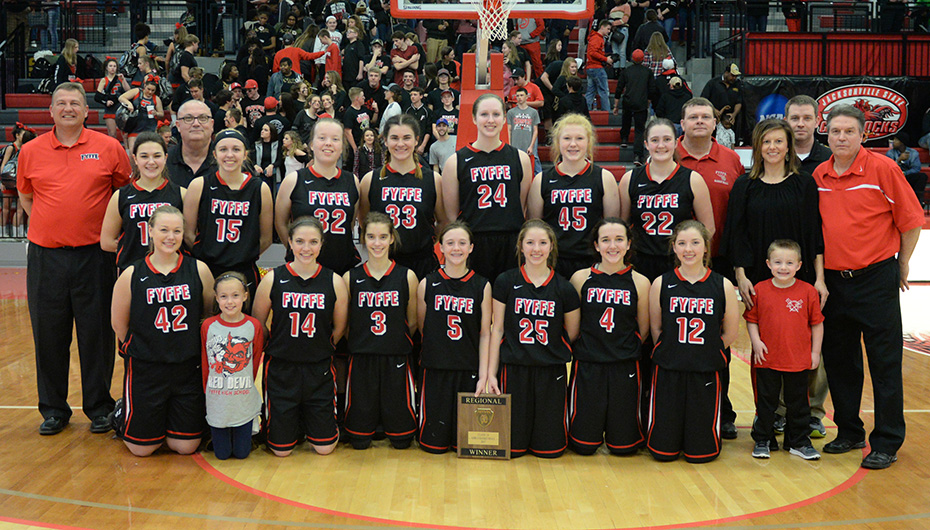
(80, 480)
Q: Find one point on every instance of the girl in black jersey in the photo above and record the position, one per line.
(573, 194)
(656, 197)
(229, 214)
(485, 184)
(157, 305)
(605, 387)
(407, 192)
(382, 320)
(535, 316)
(110, 86)
(694, 316)
(454, 314)
(309, 304)
(125, 225)
(146, 101)
(326, 192)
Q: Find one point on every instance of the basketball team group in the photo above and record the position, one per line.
(605, 309)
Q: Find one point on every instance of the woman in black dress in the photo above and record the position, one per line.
(774, 200)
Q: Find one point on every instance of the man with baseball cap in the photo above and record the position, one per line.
(271, 117)
(726, 91)
(253, 105)
(443, 147)
(434, 98)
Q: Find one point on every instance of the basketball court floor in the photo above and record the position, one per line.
(81, 480)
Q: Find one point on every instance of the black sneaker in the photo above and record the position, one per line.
(807, 452)
(779, 424)
(841, 445)
(761, 450)
(116, 418)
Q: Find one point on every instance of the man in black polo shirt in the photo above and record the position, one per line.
(726, 90)
(191, 158)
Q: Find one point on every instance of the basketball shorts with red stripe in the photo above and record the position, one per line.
(300, 400)
(684, 415)
(603, 405)
(162, 400)
(380, 390)
(538, 413)
(439, 407)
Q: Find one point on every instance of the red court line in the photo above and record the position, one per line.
(843, 486)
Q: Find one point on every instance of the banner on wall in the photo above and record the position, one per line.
(890, 104)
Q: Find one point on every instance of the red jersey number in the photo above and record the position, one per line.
(307, 327)
(532, 332)
(405, 216)
(227, 230)
(486, 199)
(378, 326)
(333, 222)
(573, 218)
(166, 324)
(696, 325)
(455, 327)
(657, 224)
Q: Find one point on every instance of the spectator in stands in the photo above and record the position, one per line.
(667, 13)
(373, 91)
(377, 59)
(229, 74)
(109, 88)
(332, 26)
(255, 67)
(353, 53)
(637, 16)
(306, 118)
(596, 59)
(422, 114)
(686, 21)
(295, 152)
(355, 23)
(530, 29)
(369, 156)
(656, 54)
(181, 73)
(925, 131)
(534, 95)
(236, 90)
(757, 15)
(283, 79)
(575, 101)
(724, 134)
(289, 27)
(447, 61)
(635, 87)
(409, 82)
(392, 95)
(909, 162)
(332, 84)
(515, 39)
(301, 93)
(671, 101)
(146, 65)
(523, 127)
(277, 120)
(511, 62)
(437, 37)
(560, 88)
(414, 40)
(268, 155)
(333, 62)
(446, 111)
(11, 222)
(65, 261)
(223, 101)
(175, 47)
(801, 114)
(619, 16)
(295, 54)
(193, 90)
(192, 158)
(644, 32)
(443, 147)
(66, 65)
(253, 104)
(327, 109)
(264, 31)
(725, 91)
(404, 58)
(443, 81)
(357, 119)
(466, 36)
(234, 120)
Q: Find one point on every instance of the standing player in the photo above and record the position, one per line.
(656, 197)
(157, 305)
(308, 304)
(535, 316)
(326, 192)
(574, 194)
(231, 344)
(125, 225)
(605, 388)
(229, 214)
(382, 318)
(454, 314)
(407, 192)
(485, 184)
(694, 316)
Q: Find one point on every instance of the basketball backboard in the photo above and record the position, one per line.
(466, 9)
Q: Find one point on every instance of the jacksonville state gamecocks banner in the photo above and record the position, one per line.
(890, 104)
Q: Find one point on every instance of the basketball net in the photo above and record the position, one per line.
(492, 25)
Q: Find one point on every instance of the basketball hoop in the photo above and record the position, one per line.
(492, 17)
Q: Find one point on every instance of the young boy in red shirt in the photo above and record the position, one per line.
(786, 328)
(333, 58)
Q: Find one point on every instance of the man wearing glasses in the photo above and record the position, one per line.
(191, 158)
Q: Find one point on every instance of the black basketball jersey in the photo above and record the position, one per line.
(378, 312)
(332, 201)
(228, 222)
(164, 312)
(656, 207)
(609, 330)
(692, 321)
(135, 207)
(572, 204)
(489, 188)
(411, 204)
(302, 315)
(534, 331)
(452, 327)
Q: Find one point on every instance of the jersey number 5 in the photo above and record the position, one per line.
(694, 336)
(455, 327)
(575, 219)
(228, 230)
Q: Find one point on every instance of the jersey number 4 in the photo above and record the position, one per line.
(166, 325)
(306, 327)
(696, 325)
(664, 221)
(485, 200)
(527, 329)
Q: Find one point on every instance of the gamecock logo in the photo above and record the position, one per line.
(885, 110)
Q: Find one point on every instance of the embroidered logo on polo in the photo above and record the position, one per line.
(90, 156)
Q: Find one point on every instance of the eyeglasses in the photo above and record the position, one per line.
(202, 119)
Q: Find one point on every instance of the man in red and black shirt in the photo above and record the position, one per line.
(871, 222)
(65, 180)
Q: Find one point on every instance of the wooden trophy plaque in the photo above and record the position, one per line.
(484, 426)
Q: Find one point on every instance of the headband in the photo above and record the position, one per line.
(23, 127)
(230, 133)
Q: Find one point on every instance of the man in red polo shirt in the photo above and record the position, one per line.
(720, 167)
(65, 180)
(870, 214)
